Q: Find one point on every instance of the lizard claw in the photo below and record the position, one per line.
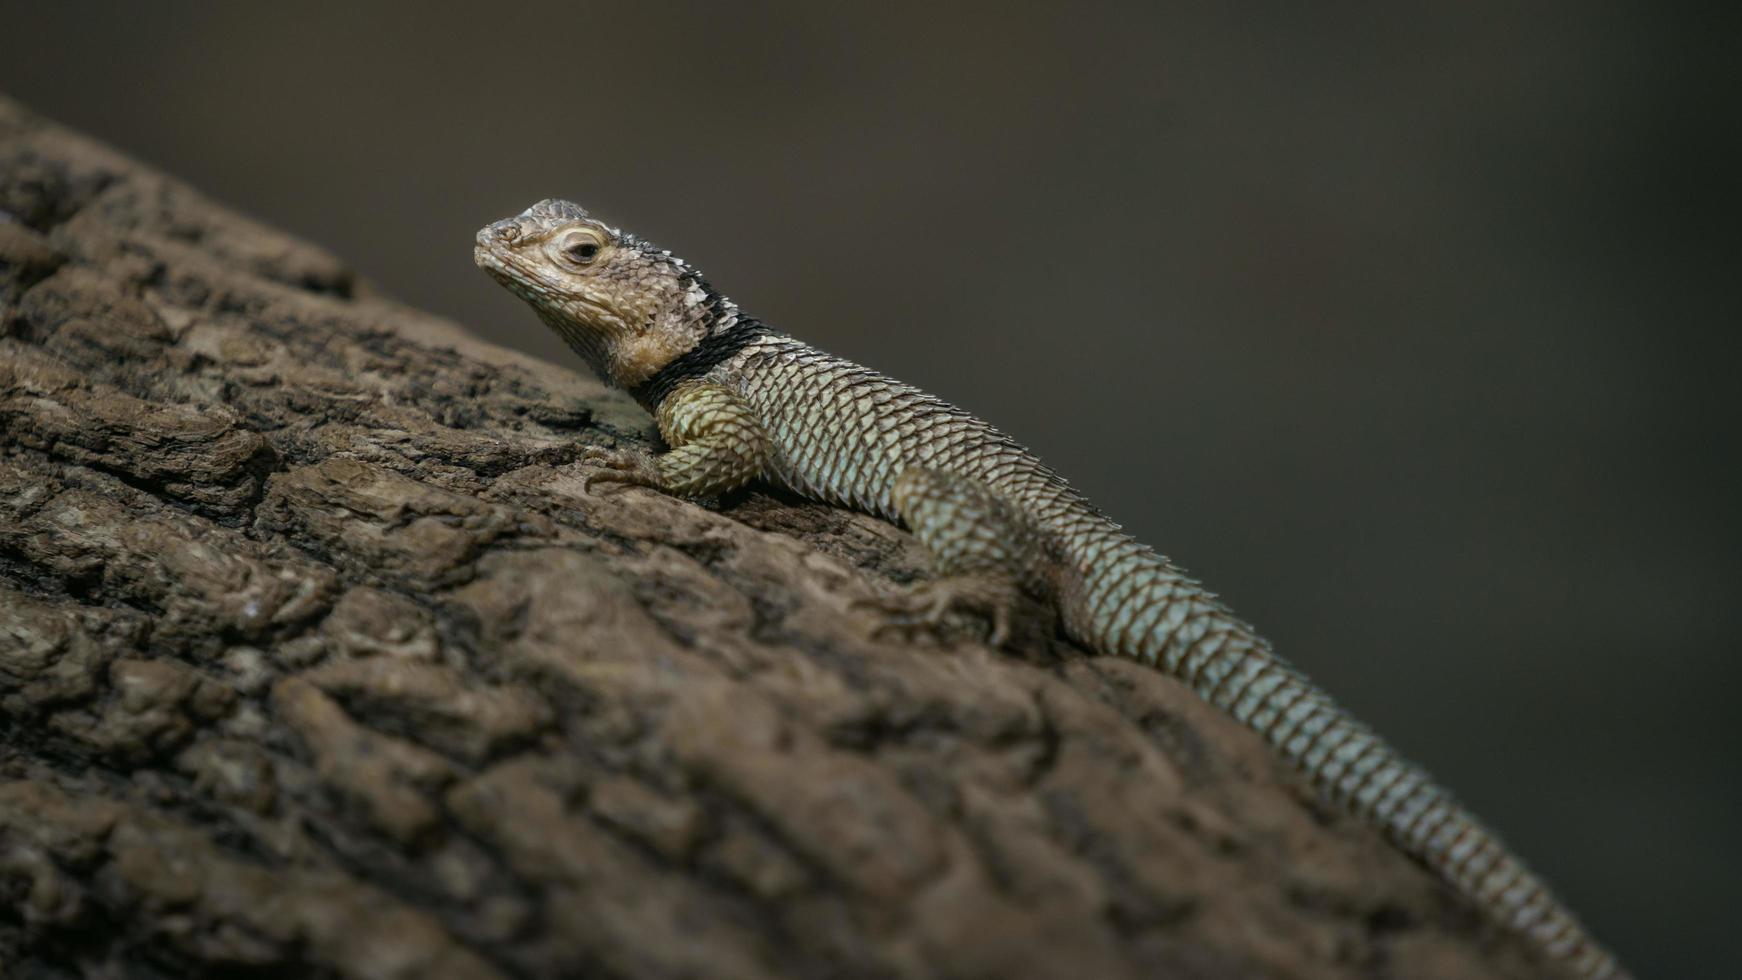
(626, 467)
(921, 609)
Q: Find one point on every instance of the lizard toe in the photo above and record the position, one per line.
(617, 466)
(924, 609)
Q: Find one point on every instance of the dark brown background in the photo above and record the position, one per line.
(1408, 331)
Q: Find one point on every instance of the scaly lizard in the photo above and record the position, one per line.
(737, 401)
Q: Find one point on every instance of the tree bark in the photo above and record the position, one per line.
(317, 660)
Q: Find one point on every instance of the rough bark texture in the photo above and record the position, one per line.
(316, 660)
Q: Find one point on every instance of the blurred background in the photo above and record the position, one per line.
(1409, 328)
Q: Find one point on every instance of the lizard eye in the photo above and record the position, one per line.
(580, 249)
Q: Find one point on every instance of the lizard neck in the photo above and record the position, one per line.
(731, 335)
(683, 335)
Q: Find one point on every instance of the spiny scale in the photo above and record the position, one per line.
(748, 403)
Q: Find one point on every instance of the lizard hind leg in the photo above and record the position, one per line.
(985, 553)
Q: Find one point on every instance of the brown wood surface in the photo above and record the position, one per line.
(317, 660)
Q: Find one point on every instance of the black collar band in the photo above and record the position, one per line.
(714, 350)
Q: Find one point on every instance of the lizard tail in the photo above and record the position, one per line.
(1122, 598)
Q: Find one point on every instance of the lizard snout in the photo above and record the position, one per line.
(503, 232)
(491, 240)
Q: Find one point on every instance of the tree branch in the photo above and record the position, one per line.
(315, 660)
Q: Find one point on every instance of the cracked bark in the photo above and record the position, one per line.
(316, 660)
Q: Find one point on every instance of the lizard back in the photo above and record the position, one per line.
(843, 432)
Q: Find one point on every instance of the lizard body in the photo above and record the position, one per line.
(737, 402)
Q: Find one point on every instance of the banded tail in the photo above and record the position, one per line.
(1129, 601)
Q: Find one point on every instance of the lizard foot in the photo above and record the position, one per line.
(920, 610)
(627, 467)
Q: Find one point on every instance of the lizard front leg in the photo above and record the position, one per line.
(717, 445)
(985, 553)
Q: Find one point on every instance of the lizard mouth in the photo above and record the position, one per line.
(489, 255)
(510, 269)
(482, 258)
(482, 254)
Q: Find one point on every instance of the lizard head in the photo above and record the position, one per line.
(627, 307)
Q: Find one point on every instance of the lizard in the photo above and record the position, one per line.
(736, 401)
